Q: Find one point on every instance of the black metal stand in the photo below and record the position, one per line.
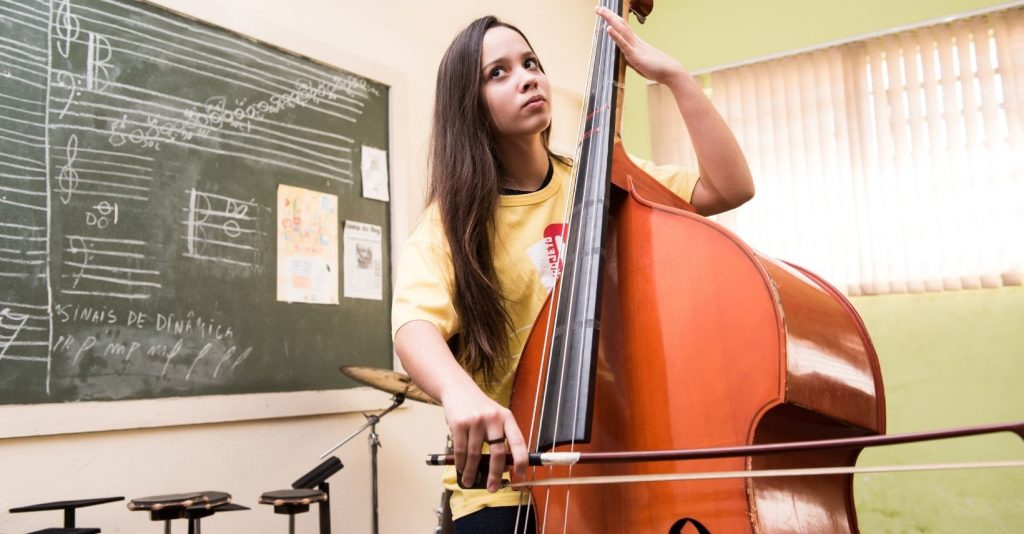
(325, 509)
(296, 502)
(374, 438)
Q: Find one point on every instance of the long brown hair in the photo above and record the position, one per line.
(465, 183)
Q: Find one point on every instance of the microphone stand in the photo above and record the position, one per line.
(374, 438)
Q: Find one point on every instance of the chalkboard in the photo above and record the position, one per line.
(141, 155)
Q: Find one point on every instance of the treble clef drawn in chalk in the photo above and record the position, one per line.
(84, 251)
(68, 178)
(66, 79)
(67, 25)
(97, 73)
(17, 322)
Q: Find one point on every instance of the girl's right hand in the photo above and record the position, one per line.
(474, 418)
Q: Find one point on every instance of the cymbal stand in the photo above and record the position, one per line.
(374, 438)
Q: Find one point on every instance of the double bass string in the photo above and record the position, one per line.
(599, 107)
(553, 310)
(599, 112)
(542, 385)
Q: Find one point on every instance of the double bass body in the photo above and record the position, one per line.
(702, 343)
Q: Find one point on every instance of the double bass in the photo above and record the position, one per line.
(666, 331)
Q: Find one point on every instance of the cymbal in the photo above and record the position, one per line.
(389, 381)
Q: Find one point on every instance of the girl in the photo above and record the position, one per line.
(475, 272)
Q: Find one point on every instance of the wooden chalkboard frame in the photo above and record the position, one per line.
(23, 420)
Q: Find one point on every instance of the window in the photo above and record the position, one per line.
(891, 164)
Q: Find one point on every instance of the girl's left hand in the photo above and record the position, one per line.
(646, 60)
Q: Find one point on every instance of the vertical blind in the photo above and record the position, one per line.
(892, 164)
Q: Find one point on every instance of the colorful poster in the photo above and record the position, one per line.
(307, 246)
(364, 278)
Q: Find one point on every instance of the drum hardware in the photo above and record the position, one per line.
(444, 514)
(374, 439)
(389, 381)
(69, 508)
(191, 506)
(401, 387)
(445, 524)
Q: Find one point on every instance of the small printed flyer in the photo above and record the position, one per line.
(375, 173)
(307, 246)
(364, 277)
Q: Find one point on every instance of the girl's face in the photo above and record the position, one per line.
(514, 88)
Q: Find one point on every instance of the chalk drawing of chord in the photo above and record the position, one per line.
(221, 229)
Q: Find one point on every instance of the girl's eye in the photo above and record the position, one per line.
(531, 63)
(496, 72)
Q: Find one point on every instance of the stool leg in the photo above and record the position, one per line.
(291, 523)
(167, 527)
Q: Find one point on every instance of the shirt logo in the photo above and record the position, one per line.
(546, 254)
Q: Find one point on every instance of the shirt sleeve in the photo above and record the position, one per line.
(679, 180)
(423, 288)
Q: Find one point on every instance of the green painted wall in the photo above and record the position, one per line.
(948, 359)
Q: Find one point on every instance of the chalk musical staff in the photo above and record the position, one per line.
(109, 268)
(112, 109)
(23, 332)
(22, 250)
(222, 229)
(11, 324)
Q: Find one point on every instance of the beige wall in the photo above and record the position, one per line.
(400, 43)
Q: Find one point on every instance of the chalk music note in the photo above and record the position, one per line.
(17, 320)
(68, 178)
(84, 251)
(67, 25)
(235, 210)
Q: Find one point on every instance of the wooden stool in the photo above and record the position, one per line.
(69, 514)
(191, 506)
(292, 501)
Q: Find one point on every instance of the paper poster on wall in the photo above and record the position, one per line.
(307, 246)
(364, 278)
(375, 173)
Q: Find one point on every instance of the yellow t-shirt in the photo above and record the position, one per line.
(527, 257)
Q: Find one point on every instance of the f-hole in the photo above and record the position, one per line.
(677, 527)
